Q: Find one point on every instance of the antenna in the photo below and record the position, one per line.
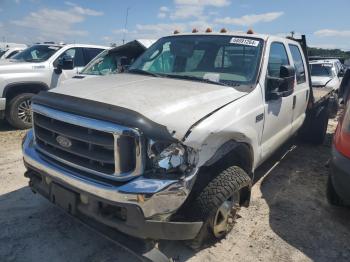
(292, 33)
(126, 23)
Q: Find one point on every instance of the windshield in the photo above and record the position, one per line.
(321, 70)
(104, 64)
(219, 59)
(36, 53)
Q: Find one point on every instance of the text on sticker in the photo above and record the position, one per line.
(244, 41)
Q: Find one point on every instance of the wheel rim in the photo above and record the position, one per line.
(25, 112)
(225, 216)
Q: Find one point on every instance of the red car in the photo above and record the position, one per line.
(339, 179)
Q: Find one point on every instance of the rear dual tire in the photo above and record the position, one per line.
(314, 129)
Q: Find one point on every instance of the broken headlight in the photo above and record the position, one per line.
(171, 158)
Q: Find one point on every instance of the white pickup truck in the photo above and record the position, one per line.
(39, 67)
(169, 149)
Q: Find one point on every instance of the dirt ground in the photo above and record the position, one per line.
(289, 218)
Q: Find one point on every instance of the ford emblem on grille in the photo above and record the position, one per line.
(64, 141)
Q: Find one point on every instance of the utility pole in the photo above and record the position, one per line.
(126, 23)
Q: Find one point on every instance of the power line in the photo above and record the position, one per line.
(126, 23)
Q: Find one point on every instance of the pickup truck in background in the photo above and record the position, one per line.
(326, 73)
(10, 52)
(115, 60)
(39, 67)
(168, 150)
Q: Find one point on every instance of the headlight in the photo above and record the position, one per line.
(171, 158)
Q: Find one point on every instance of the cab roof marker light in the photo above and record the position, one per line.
(209, 30)
(194, 30)
(176, 32)
(223, 30)
(250, 31)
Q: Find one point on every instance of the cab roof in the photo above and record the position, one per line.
(233, 34)
(73, 45)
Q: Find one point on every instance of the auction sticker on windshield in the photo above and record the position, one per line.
(244, 41)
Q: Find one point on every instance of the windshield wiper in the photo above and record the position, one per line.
(194, 78)
(142, 72)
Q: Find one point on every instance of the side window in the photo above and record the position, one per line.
(91, 53)
(278, 57)
(76, 54)
(298, 64)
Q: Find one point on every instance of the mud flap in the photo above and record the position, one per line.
(64, 198)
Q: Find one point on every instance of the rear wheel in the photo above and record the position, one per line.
(217, 205)
(315, 129)
(18, 112)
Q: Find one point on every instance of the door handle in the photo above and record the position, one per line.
(294, 101)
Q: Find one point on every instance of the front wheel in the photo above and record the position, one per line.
(217, 205)
(18, 112)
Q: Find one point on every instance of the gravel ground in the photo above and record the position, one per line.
(289, 218)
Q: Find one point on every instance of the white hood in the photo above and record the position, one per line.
(176, 104)
(320, 80)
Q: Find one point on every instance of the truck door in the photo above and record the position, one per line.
(77, 54)
(278, 112)
(301, 89)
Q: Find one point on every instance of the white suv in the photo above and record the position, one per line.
(39, 67)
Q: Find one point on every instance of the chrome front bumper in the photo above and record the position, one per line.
(2, 103)
(153, 196)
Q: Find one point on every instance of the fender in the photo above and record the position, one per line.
(41, 86)
(234, 151)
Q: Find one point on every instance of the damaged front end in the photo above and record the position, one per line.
(88, 164)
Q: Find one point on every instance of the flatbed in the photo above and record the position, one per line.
(321, 94)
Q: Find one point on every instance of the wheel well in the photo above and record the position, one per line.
(232, 153)
(12, 90)
(238, 154)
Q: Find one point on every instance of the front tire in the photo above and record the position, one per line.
(217, 205)
(18, 112)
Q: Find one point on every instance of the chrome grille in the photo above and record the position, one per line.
(98, 147)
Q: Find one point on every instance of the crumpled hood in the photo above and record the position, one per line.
(13, 66)
(176, 104)
(320, 80)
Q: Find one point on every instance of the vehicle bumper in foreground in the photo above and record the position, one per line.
(340, 175)
(139, 208)
(2, 107)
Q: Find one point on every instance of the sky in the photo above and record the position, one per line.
(325, 23)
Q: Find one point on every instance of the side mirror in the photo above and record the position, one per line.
(341, 73)
(282, 86)
(64, 63)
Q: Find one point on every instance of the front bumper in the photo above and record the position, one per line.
(148, 203)
(2, 107)
(340, 175)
